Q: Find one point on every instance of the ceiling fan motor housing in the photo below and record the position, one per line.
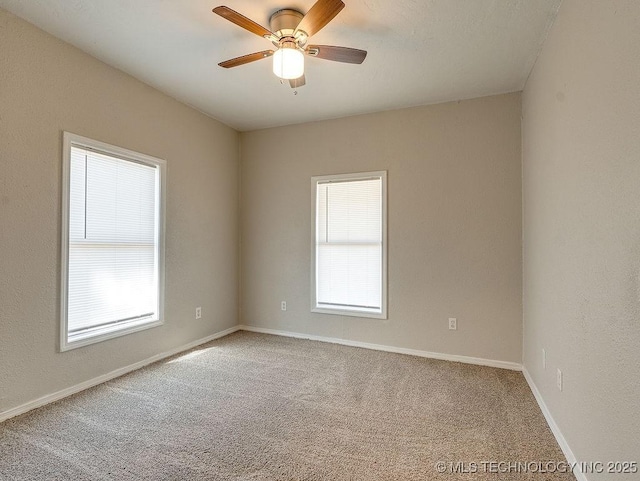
(284, 22)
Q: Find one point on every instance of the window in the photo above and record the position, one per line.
(112, 242)
(348, 271)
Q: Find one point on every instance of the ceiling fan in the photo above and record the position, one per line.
(290, 32)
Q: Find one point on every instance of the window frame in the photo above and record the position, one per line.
(73, 140)
(315, 181)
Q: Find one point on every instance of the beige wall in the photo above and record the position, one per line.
(454, 224)
(47, 86)
(581, 151)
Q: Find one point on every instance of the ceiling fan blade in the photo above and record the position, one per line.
(252, 57)
(297, 82)
(320, 14)
(242, 21)
(337, 54)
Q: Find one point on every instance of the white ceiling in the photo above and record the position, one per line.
(420, 52)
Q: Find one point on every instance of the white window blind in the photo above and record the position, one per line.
(349, 244)
(112, 272)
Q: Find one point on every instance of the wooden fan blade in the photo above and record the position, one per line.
(242, 21)
(297, 82)
(337, 54)
(252, 57)
(320, 14)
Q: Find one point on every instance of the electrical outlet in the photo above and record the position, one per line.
(559, 379)
(198, 312)
(283, 305)
(453, 323)
(544, 359)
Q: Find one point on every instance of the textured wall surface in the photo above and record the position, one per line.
(454, 224)
(581, 151)
(47, 86)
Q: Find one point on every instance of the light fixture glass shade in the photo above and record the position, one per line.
(288, 63)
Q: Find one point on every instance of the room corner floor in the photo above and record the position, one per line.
(258, 407)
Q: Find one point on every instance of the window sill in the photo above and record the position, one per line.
(85, 339)
(372, 314)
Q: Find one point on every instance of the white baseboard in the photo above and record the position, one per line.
(514, 366)
(49, 398)
(562, 442)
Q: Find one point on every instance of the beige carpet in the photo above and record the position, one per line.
(259, 407)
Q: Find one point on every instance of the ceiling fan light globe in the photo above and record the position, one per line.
(288, 63)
